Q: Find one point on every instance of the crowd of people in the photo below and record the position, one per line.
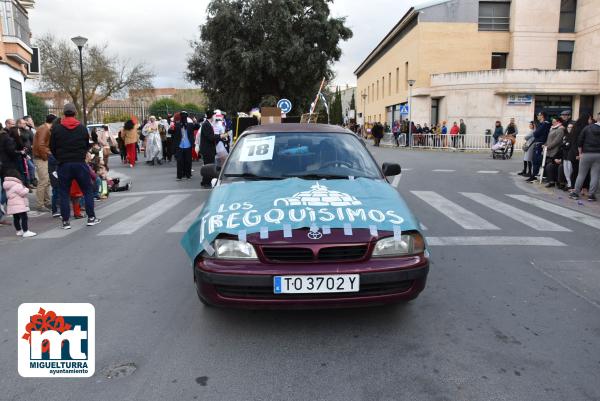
(572, 148)
(182, 136)
(566, 151)
(58, 161)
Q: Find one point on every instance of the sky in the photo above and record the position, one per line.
(158, 33)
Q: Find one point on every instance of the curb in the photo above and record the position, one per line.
(558, 197)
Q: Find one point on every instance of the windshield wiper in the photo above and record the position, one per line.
(251, 176)
(316, 176)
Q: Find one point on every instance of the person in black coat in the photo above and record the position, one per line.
(183, 142)
(540, 136)
(208, 140)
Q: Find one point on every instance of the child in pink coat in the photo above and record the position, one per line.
(18, 204)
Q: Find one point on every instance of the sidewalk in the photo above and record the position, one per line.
(558, 197)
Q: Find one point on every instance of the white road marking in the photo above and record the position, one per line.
(396, 180)
(535, 222)
(491, 240)
(187, 221)
(101, 213)
(559, 210)
(455, 212)
(443, 171)
(487, 172)
(145, 216)
(407, 169)
(162, 192)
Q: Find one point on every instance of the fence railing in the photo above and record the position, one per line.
(459, 142)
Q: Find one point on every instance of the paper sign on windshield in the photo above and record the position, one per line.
(257, 149)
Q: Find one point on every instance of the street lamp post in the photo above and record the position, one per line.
(411, 82)
(364, 98)
(80, 41)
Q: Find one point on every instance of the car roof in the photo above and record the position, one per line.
(296, 127)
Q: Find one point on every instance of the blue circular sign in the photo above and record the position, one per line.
(285, 105)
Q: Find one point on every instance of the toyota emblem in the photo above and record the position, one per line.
(315, 235)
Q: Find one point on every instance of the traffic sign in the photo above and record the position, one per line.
(404, 109)
(285, 105)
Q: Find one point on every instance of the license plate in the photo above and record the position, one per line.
(316, 284)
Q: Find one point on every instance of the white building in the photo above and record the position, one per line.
(16, 57)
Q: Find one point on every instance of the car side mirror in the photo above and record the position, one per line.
(391, 169)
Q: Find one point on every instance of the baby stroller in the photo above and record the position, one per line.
(504, 148)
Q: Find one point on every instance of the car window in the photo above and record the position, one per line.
(310, 155)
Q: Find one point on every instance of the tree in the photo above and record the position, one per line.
(36, 108)
(192, 108)
(337, 116)
(104, 75)
(162, 107)
(250, 49)
(352, 102)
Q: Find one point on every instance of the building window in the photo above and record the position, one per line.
(568, 12)
(435, 104)
(564, 56)
(406, 75)
(16, 93)
(377, 97)
(398, 80)
(382, 87)
(494, 16)
(553, 105)
(14, 21)
(390, 84)
(499, 60)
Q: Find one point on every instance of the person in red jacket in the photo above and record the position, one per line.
(69, 143)
(454, 134)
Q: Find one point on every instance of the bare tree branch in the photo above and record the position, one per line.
(104, 75)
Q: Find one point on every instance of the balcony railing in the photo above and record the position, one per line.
(15, 21)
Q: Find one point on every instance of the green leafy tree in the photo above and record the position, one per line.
(192, 108)
(36, 108)
(116, 118)
(337, 116)
(249, 49)
(352, 102)
(163, 107)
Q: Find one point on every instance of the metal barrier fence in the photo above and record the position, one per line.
(448, 142)
(109, 114)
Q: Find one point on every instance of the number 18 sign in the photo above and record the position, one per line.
(257, 149)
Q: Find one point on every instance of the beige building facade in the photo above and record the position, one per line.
(484, 61)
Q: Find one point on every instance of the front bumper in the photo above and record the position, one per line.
(382, 281)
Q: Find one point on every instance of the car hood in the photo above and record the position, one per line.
(243, 208)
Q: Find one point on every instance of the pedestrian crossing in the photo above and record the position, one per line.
(493, 216)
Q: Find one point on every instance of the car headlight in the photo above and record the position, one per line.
(233, 249)
(409, 244)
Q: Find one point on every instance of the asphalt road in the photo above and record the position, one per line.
(496, 322)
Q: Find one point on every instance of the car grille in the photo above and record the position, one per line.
(327, 254)
(230, 291)
(276, 254)
(343, 253)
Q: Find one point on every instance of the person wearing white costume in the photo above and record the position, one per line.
(153, 143)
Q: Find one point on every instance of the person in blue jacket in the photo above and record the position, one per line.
(540, 136)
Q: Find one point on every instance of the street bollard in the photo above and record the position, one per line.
(543, 164)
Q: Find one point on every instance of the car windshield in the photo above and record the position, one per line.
(275, 156)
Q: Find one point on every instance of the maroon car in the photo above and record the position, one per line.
(302, 217)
